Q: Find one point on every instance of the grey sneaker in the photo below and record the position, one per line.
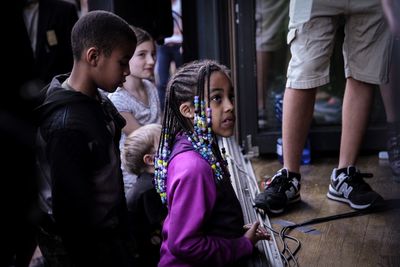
(348, 186)
(279, 191)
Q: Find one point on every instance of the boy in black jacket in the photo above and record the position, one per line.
(81, 187)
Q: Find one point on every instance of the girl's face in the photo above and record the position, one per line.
(143, 61)
(222, 104)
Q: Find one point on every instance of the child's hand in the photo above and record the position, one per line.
(255, 232)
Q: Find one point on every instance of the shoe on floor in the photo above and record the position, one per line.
(348, 186)
(279, 191)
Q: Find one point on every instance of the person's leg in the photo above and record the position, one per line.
(177, 55)
(347, 184)
(264, 79)
(298, 108)
(163, 65)
(357, 102)
(366, 49)
(264, 63)
(311, 45)
(391, 98)
(366, 54)
(271, 19)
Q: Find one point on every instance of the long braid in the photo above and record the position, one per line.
(188, 84)
(214, 146)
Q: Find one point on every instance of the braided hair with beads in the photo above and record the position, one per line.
(188, 84)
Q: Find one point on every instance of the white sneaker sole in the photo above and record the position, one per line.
(295, 200)
(334, 195)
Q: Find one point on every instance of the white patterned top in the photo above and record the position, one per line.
(144, 114)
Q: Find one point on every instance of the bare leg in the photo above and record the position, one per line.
(264, 62)
(356, 108)
(390, 95)
(388, 98)
(298, 108)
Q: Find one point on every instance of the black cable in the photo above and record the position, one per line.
(335, 217)
(282, 236)
(291, 257)
(283, 233)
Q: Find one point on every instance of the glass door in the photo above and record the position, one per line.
(260, 59)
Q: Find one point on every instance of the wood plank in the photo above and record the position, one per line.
(366, 240)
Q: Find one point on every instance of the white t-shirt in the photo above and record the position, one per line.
(177, 17)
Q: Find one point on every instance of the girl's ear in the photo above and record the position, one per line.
(187, 109)
(92, 56)
(148, 159)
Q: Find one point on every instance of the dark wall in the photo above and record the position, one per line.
(154, 16)
(190, 32)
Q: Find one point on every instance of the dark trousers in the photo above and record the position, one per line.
(166, 54)
(105, 251)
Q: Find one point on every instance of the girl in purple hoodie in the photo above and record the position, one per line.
(204, 225)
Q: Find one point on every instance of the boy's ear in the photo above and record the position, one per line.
(187, 109)
(92, 56)
(148, 159)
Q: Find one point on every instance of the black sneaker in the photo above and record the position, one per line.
(347, 185)
(393, 146)
(279, 191)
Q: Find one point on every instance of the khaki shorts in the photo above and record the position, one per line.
(271, 23)
(312, 28)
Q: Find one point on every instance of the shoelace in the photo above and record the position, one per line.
(357, 178)
(278, 180)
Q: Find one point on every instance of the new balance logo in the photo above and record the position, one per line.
(339, 178)
(345, 189)
(295, 183)
(291, 193)
(294, 189)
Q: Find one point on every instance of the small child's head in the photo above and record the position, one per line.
(140, 147)
(105, 42)
(144, 59)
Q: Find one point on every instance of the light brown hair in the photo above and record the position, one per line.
(140, 142)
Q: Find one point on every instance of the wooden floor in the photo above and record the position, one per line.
(366, 240)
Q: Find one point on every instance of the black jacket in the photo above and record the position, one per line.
(146, 214)
(81, 185)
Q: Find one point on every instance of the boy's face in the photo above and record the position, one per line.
(148, 159)
(112, 70)
(143, 61)
(222, 104)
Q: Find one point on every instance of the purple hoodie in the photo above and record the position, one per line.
(204, 225)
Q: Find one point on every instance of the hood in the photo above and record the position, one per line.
(56, 96)
(181, 144)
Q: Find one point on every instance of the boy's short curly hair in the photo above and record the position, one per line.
(101, 29)
(140, 142)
